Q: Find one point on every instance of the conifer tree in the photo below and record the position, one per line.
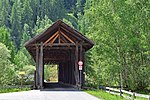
(16, 23)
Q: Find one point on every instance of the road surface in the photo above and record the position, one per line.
(47, 95)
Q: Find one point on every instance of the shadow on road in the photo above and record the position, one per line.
(58, 87)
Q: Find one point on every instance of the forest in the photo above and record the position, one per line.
(120, 30)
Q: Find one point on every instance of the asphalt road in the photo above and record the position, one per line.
(47, 95)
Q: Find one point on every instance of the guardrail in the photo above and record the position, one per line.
(132, 95)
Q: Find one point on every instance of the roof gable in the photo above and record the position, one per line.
(60, 32)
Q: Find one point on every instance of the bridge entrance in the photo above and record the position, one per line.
(63, 46)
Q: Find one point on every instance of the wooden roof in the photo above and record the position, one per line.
(57, 37)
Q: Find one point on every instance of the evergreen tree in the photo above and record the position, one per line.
(118, 31)
(58, 10)
(5, 38)
(41, 25)
(4, 14)
(27, 14)
(35, 8)
(16, 23)
(7, 69)
(26, 35)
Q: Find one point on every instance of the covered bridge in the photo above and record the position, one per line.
(62, 45)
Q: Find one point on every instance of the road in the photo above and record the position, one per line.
(47, 95)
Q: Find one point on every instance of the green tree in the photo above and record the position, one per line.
(41, 25)
(20, 60)
(16, 23)
(27, 14)
(56, 12)
(5, 38)
(121, 41)
(26, 35)
(4, 14)
(7, 69)
(29, 74)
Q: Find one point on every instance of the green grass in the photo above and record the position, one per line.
(137, 98)
(104, 95)
(7, 90)
(107, 96)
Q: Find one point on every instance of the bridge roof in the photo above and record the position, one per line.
(57, 39)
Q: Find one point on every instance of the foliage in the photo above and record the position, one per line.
(15, 23)
(6, 67)
(21, 60)
(5, 38)
(7, 90)
(120, 30)
(41, 25)
(51, 73)
(29, 74)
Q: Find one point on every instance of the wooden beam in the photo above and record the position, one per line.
(84, 69)
(72, 67)
(71, 33)
(59, 35)
(67, 38)
(61, 44)
(41, 65)
(81, 51)
(31, 45)
(63, 38)
(59, 39)
(57, 59)
(76, 65)
(37, 66)
(54, 39)
(51, 38)
(61, 47)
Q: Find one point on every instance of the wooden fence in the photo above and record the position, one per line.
(126, 94)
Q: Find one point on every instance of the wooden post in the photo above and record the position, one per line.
(134, 97)
(84, 73)
(37, 67)
(59, 35)
(120, 84)
(81, 52)
(72, 66)
(76, 64)
(80, 60)
(41, 65)
(35, 86)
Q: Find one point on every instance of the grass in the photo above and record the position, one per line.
(137, 98)
(7, 90)
(104, 95)
(107, 96)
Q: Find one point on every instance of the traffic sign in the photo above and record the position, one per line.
(80, 63)
(80, 67)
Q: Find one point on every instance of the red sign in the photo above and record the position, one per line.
(80, 63)
(80, 67)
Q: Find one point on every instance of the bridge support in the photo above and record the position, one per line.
(39, 67)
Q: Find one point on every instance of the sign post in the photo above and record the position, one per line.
(22, 73)
(80, 63)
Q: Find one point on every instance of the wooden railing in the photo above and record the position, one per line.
(125, 94)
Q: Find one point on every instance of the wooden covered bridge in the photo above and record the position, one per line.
(62, 45)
